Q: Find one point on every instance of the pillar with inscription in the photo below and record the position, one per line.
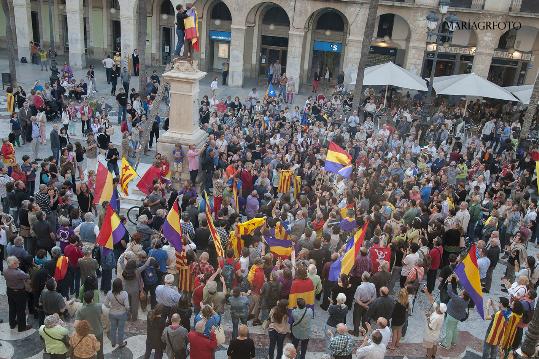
(183, 114)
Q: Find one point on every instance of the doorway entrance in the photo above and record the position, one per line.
(167, 39)
(35, 27)
(272, 48)
(116, 36)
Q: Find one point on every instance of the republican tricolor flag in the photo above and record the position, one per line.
(468, 273)
(338, 161)
(172, 228)
(104, 184)
(112, 230)
(191, 28)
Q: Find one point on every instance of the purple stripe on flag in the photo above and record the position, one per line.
(465, 283)
(274, 242)
(335, 270)
(348, 225)
(173, 237)
(118, 233)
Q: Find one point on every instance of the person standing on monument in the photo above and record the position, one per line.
(181, 14)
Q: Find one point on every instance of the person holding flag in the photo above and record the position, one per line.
(127, 175)
(181, 15)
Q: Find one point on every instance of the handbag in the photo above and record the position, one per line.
(71, 350)
(219, 334)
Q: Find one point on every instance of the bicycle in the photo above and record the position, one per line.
(133, 214)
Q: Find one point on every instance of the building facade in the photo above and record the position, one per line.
(497, 39)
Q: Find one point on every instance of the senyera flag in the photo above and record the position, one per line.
(468, 273)
(338, 161)
(215, 236)
(172, 228)
(112, 230)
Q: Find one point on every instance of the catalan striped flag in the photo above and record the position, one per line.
(191, 28)
(235, 195)
(497, 327)
(301, 288)
(127, 175)
(104, 186)
(297, 186)
(250, 226)
(278, 242)
(172, 228)
(236, 243)
(285, 180)
(338, 161)
(510, 331)
(60, 270)
(468, 273)
(214, 234)
(112, 230)
(344, 264)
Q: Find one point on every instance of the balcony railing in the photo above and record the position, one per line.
(527, 6)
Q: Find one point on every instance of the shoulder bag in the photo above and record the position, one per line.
(64, 339)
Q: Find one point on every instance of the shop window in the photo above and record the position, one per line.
(385, 26)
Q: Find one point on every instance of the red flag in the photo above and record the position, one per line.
(146, 182)
(377, 255)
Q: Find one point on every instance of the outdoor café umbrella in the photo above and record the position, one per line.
(470, 85)
(389, 74)
(523, 92)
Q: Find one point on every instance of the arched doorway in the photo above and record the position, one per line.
(115, 26)
(166, 26)
(219, 36)
(268, 26)
(514, 57)
(391, 38)
(455, 56)
(328, 28)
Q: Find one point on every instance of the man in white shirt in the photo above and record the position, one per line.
(384, 329)
(353, 122)
(108, 63)
(463, 216)
(487, 131)
(373, 349)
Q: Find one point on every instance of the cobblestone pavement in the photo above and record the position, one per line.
(28, 344)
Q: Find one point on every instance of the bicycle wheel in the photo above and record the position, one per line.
(132, 214)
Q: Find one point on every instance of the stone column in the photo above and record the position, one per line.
(486, 44)
(352, 54)
(183, 115)
(414, 57)
(235, 76)
(23, 27)
(75, 36)
(128, 19)
(106, 28)
(294, 56)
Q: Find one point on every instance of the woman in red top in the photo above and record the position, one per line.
(202, 347)
(8, 153)
(17, 174)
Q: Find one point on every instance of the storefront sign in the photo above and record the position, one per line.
(517, 55)
(391, 51)
(327, 46)
(455, 50)
(220, 35)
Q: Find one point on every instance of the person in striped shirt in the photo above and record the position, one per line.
(496, 328)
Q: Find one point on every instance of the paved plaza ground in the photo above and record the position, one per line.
(28, 345)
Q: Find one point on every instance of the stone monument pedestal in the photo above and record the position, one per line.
(183, 115)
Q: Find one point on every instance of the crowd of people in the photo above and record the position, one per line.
(420, 194)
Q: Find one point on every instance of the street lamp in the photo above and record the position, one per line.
(52, 51)
(435, 28)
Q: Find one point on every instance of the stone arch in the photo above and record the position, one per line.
(215, 34)
(327, 30)
(514, 59)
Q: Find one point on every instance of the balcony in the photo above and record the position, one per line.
(397, 2)
(468, 4)
(525, 6)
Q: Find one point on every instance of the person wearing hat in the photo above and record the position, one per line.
(433, 325)
(53, 333)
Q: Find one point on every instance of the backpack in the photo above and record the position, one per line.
(149, 276)
(229, 273)
(528, 312)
